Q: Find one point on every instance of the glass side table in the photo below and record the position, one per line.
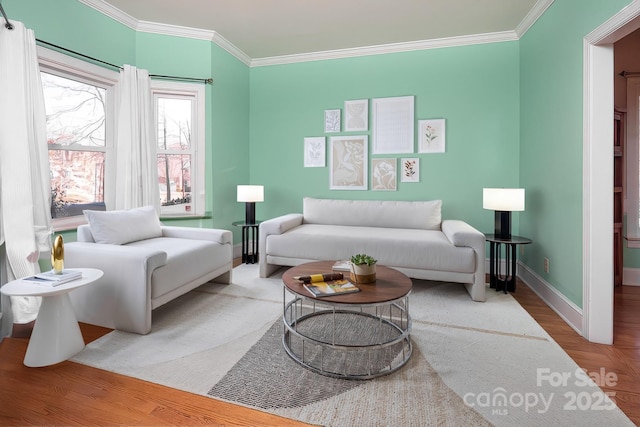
(498, 279)
(250, 236)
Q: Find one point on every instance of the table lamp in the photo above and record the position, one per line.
(250, 194)
(503, 201)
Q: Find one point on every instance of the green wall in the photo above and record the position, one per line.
(513, 112)
(551, 132)
(70, 24)
(475, 88)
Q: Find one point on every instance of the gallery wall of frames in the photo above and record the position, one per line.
(390, 125)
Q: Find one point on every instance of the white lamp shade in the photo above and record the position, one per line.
(503, 199)
(250, 193)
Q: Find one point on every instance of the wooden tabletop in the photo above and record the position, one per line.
(390, 284)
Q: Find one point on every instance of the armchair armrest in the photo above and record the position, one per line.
(211, 234)
(120, 299)
(276, 225)
(460, 233)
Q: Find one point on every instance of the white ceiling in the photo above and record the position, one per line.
(274, 28)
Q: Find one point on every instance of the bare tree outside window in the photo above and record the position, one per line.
(76, 142)
(174, 153)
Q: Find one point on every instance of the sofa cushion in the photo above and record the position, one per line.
(421, 215)
(394, 247)
(124, 226)
(187, 260)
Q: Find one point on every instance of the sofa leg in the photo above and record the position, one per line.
(476, 291)
(223, 278)
(267, 270)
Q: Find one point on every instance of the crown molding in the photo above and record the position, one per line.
(174, 30)
(387, 48)
(165, 29)
(112, 12)
(617, 26)
(232, 49)
(177, 31)
(193, 33)
(536, 12)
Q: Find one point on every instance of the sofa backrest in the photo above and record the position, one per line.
(424, 215)
(84, 234)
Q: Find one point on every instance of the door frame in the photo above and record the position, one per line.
(597, 249)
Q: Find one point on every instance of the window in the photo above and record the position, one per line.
(179, 111)
(79, 103)
(78, 99)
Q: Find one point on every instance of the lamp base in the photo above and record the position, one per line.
(250, 213)
(503, 225)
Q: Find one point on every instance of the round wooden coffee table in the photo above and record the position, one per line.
(360, 335)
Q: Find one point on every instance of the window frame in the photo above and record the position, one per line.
(196, 92)
(62, 65)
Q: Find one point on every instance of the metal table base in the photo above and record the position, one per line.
(340, 348)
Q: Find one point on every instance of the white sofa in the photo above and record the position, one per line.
(145, 266)
(408, 236)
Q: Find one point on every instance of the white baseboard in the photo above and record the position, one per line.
(237, 250)
(631, 276)
(567, 310)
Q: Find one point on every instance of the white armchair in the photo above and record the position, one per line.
(144, 274)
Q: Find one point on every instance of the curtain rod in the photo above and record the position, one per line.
(191, 79)
(8, 25)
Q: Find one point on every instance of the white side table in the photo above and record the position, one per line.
(56, 335)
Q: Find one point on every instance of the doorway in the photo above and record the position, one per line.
(598, 127)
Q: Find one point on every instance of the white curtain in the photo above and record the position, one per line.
(136, 165)
(25, 215)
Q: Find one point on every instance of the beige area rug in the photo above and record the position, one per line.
(473, 363)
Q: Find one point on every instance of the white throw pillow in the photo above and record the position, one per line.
(125, 226)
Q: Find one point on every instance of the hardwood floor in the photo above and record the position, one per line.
(622, 358)
(72, 394)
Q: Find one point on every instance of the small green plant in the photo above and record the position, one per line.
(360, 259)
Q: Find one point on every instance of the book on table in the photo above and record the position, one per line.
(332, 288)
(54, 279)
(342, 265)
(327, 284)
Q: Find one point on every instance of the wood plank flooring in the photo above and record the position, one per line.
(72, 394)
(622, 358)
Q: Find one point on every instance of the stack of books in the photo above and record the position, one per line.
(54, 279)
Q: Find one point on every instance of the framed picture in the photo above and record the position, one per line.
(384, 174)
(393, 124)
(332, 120)
(356, 115)
(432, 136)
(410, 169)
(314, 152)
(348, 156)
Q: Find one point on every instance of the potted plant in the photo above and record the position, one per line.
(363, 268)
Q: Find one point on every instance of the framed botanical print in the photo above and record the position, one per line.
(332, 120)
(410, 170)
(432, 136)
(314, 152)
